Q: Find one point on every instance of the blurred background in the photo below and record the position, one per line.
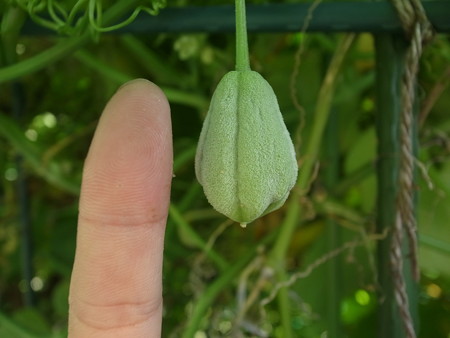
(59, 67)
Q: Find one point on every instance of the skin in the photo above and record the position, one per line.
(116, 285)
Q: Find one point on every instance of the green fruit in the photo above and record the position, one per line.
(245, 158)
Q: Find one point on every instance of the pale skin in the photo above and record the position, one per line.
(116, 286)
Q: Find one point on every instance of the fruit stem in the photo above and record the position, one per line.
(242, 59)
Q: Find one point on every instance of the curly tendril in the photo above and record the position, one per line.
(70, 19)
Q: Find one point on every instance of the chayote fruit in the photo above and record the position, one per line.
(245, 158)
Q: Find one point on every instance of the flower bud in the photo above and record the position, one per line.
(245, 158)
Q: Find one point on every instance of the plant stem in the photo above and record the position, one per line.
(210, 294)
(306, 173)
(435, 243)
(161, 71)
(194, 239)
(310, 157)
(242, 58)
(201, 306)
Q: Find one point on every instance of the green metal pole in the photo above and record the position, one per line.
(390, 64)
(11, 25)
(353, 16)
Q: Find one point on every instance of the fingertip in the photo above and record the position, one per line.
(129, 165)
(137, 82)
(144, 86)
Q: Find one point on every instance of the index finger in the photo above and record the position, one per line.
(116, 281)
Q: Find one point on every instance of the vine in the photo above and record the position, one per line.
(81, 16)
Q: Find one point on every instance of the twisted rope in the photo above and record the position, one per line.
(419, 30)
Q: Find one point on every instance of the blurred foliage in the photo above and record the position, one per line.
(214, 272)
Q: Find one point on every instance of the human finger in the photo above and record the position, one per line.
(116, 281)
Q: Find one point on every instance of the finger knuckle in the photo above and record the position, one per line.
(114, 316)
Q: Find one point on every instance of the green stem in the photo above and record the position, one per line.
(185, 157)
(242, 58)
(10, 26)
(41, 60)
(306, 172)
(74, 12)
(290, 221)
(154, 63)
(194, 239)
(313, 147)
(101, 67)
(200, 308)
(207, 298)
(333, 207)
(190, 196)
(435, 243)
(356, 176)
